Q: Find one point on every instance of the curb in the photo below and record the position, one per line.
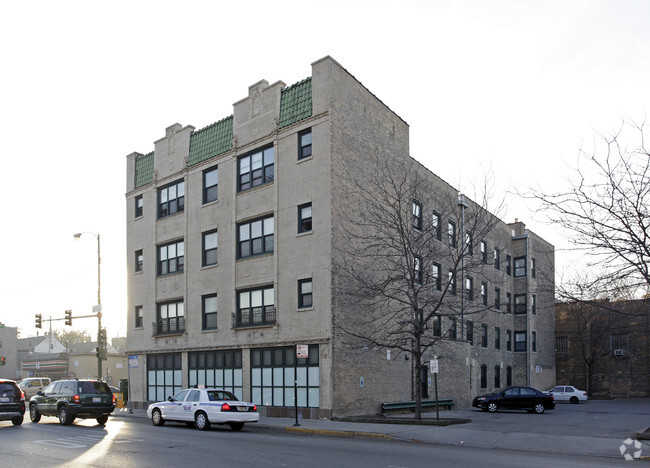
(332, 433)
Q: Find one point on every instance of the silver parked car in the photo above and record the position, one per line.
(32, 385)
(568, 393)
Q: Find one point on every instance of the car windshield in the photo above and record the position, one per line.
(93, 387)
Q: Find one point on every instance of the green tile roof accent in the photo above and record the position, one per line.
(210, 141)
(143, 169)
(296, 103)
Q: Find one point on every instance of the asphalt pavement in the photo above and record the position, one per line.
(607, 428)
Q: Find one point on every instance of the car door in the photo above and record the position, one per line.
(190, 405)
(510, 398)
(527, 398)
(50, 399)
(173, 409)
(560, 394)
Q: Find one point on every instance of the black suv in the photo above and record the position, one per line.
(12, 402)
(70, 399)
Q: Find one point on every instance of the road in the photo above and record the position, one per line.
(136, 443)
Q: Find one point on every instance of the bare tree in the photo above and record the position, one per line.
(72, 336)
(606, 208)
(405, 247)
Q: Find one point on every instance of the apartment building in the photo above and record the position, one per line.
(232, 232)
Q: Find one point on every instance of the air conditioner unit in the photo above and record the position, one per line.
(619, 352)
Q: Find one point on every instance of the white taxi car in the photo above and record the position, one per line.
(568, 393)
(203, 407)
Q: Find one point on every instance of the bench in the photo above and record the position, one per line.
(401, 405)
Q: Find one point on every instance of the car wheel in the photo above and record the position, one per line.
(102, 419)
(539, 408)
(18, 420)
(156, 418)
(236, 426)
(492, 407)
(574, 400)
(34, 415)
(64, 416)
(201, 421)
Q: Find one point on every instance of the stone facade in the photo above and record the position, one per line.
(616, 336)
(254, 355)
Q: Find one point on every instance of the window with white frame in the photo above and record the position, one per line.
(256, 168)
(171, 199)
(171, 258)
(255, 237)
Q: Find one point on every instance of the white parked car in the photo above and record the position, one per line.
(202, 407)
(568, 393)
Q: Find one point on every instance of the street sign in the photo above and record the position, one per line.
(302, 351)
(433, 366)
(133, 361)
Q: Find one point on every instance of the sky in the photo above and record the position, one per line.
(512, 88)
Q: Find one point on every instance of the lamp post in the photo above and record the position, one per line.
(99, 298)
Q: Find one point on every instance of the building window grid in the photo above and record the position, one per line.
(417, 215)
(451, 233)
(436, 277)
(497, 298)
(209, 312)
(484, 293)
(139, 206)
(469, 288)
(509, 303)
(508, 265)
(520, 341)
(255, 237)
(533, 304)
(484, 335)
(139, 260)
(483, 251)
(305, 293)
(508, 340)
(497, 376)
(520, 304)
(255, 307)
(453, 329)
(469, 243)
(436, 224)
(437, 325)
(164, 376)
(533, 343)
(497, 338)
(218, 369)
(452, 282)
(561, 346)
(210, 185)
(171, 258)
(417, 271)
(256, 168)
(139, 317)
(274, 371)
(533, 268)
(520, 267)
(619, 344)
(483, 376)
(304, 218)
(304, 144)
(210, 247)
(171, 199)
(171, 318)
(470, 332)
(508, 376)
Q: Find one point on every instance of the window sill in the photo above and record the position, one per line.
(139, 272)
(168, 334)
(209, 330)
(253, 257)
(308, 158)
(208, 267)
(178, 213)
(176, 273)
(305, 309)
(210, 203)
(257, 187)
(306, 233)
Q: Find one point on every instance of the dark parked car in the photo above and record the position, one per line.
(12, 402)
(75, 398)
(524, 398)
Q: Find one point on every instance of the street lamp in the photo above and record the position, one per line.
(99, 298)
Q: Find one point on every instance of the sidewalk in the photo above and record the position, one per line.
(458, 434)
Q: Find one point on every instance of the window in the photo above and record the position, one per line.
(497, 259)
(139, 206)
(483, 376)
(520, 303)
(171, 199)
(304, 144)
(483, 251)
(305, 293)
(437, 229)
(417, 215)
(469, 288)
(139, 317)
(274, 372)
(255, 237)
(520, 341)
(417, 271)
(509, 340)
(220, 369)
(484, 293)
(171, 258)
(509, 303)
(171, 318)
(497, 376)
(470, 332)
(210, 185)
(497, 298)
(210, 248)
(508, 265)
(435, 276)
(484, 336)
(451, 233)
(437, 325)
(453, 329)
(164, 376)
(468, 243)
(533, 305)
(533, 267)
(138, 260)
(452, 282)
(497, 338)
(256, 168)
(534, 341)
(618, 344)
(209, 312)
(304, 218)
(561, 346)
(255, 307)
(520, 267)
(508, 376)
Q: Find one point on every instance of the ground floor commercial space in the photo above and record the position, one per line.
(273, 377)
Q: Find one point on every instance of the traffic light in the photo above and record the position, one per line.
(101, 338)
(3, 361)
(68, 317)
(100, 353)
(39, 321)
